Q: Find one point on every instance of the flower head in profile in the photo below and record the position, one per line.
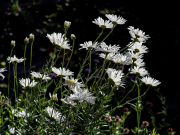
(2, 70)
(139, 63)
(20, 113)
(138, 48)
(69, 102)
(15, 59)
(54, 114)
(134, 56)
(110, 56)
(138, 34)
(103, 24)
(150, 81)
(139, 71)
(71, 82)
(121, 59)
(58, 40)
(11, 129)
(107, 49)
(88, 45)
(40, 76)
(115, 19)
(26, 83)
(62, 71)
(115, 76)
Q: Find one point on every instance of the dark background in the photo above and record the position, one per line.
(159, 20)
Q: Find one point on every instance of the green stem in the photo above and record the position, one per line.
(98, 36)
(71, 54)
(30, 58)
(9, 70)
(14, 83)
(16, 78)
(24, 63)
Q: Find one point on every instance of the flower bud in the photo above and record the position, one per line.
(55, 98)
(73, 37)
(170, 130)
(145, 123)
(67, 24)
(31, 37)
(12, 43)
(26, 41)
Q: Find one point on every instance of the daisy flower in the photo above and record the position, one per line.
(11, 129)
(21, 113)
(40, 76)
(58, 40)
(62, 71)
(88, 45)
(110, 56)
(107, 49)
(139, 71)
(139, 63)
(115, 76)
(134, 56)
(69, 101)
(15, 59)
(2, 70)
(103, 24)
(138, 34)
(115, 19)
(54, 114)
(71, 82)
(26, 83)
(120, 59)
(82, 94)
(150, 81)
(138, 48)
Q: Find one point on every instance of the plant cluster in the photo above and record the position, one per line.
(77, 105)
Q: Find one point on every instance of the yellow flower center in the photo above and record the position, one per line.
(71, 80)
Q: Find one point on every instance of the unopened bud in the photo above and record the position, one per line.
(67, 24)
(13, 43)
(73, 37)
(55, 98)
(26, 41)
(31, 37)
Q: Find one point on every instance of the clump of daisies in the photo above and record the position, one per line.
(77, 100)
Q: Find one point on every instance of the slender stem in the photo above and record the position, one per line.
(9, 70)
(16, 78)
(130, 100)
(30, 58)
(63, 58)
(14, 83)
(127, 46)
(71, 54)
(98, 36)
(24, 62)
(89, 68)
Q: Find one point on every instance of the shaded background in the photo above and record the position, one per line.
(160, 21)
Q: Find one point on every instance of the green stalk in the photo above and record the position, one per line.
(16, 78)
(30, 58)
(9, 70)
(71, 54)
(24, 63)
(14, 83)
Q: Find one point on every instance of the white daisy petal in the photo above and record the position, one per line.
(138, 34)
(150, 81)
(115, 19)
(103, 24)
(62, 71)
(15, 59)
(58, 40)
